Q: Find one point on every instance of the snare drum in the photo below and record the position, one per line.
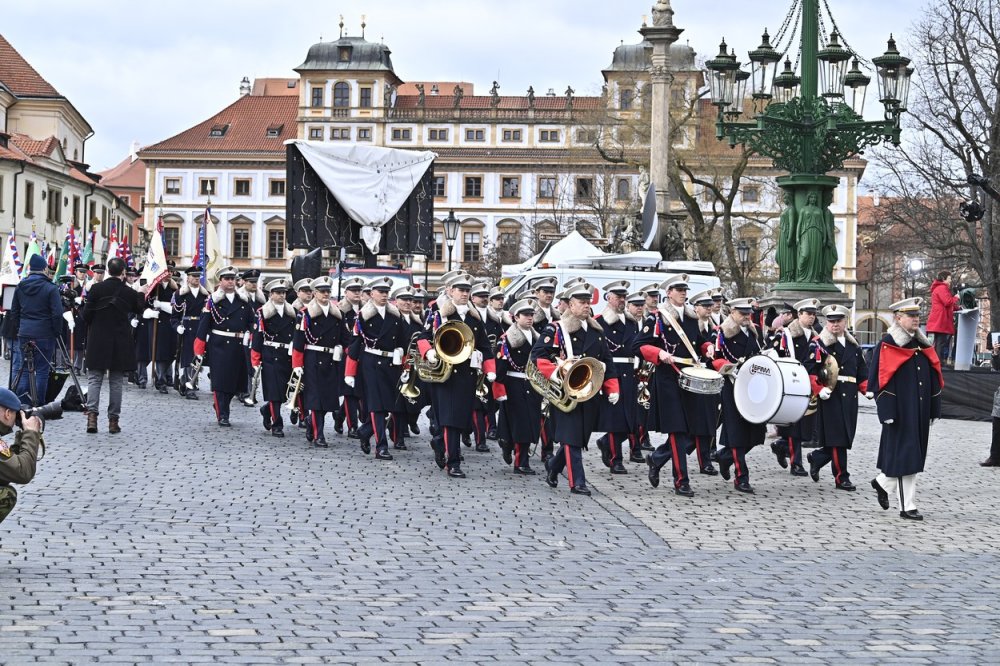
(703, 381)
(769, 390)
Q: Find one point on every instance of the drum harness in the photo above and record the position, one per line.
(682, 335)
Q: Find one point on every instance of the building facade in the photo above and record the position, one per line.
(45, 185)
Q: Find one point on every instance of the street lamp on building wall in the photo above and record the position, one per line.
(743, 254)
(806, 123)
(451, 225)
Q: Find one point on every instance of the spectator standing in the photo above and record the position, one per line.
(111, 305)
(38, 309)
(941, 321)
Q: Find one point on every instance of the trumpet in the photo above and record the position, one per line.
(408, 379)
(292, 392)
(194, 372)
(254, 385)
(644, 374)
(453, 344)
(581, 381)
(482, 390)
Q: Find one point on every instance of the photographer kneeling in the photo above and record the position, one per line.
(17, 460)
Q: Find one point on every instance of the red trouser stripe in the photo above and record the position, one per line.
(315, 429)
(791, 451)
(676, 458)
(836, 465)
(215, 401)
(697, 450)
(444, 433)
(611, 442)
(273, 417)
(736, 462)
(569, 465)
(517, 455)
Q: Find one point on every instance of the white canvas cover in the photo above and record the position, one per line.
(573, 246)
(371, 183)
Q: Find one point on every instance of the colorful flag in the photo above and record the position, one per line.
(33, 249)
(74, 248)
(61, 266)
(10, 268)
(87, 255)
(155, 269)
(113, 241)
(127, 254)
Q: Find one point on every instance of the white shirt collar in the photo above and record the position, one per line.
(842, 339)
(381, 310)
(231, 296)
(325, 309)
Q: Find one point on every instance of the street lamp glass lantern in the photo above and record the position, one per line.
(833, 63)
(763, 66)
(856, 83)
(722, 76)
(904, 88)
(451, 225)
(786, 84)
(743, 252)
(735, 110)
(408, 261)
(892, 73)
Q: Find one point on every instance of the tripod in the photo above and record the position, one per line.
(28, 365)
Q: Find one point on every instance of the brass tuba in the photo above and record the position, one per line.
(453, 344)
(581, 380)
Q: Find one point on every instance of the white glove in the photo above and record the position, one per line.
(349, 381)
(78, 300)
(665, 357)
(296, 372)
(246, 338)
(68, 316)
(165, 307)
(825, 393)
(888, 421)
(181, 329)
(613, 398)
(431, 356)
(710, 351)
(502, 398)
(491, 376)
(156, 303)
(869, 395)
(134, 322)
(149, 313)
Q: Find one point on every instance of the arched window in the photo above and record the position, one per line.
(275, 229)
(509, 241)
(471, 238)
(341, 95)
(623, 189)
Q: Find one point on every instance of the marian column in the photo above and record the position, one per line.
(661, 35)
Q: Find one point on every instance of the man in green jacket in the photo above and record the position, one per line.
(17, 460)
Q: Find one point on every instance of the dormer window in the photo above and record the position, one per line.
(274, 131)
(218, 131)
(344, 54)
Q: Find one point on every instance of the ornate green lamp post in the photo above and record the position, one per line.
(808, 123)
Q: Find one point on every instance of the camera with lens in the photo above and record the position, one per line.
(48, 412)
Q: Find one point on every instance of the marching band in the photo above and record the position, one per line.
(545, 374)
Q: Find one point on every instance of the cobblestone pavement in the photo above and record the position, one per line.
(178, 541)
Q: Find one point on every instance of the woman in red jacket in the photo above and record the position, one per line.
(941, 321)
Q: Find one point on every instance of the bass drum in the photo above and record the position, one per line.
(769, 390)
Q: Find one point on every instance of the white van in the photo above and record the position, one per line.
(639, 268)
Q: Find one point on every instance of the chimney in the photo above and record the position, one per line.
(244, 87)
(875, 199)
(133, 151)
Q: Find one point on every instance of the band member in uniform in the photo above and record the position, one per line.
(317, 354)
(270, 351)
(652, 293)
(187, 305)
(718, 316)
(621, 420)
(225, 322)
(661, 341)
(575, 335)
(376, 354)
(418, 320)
(635, 306)
(737, 340)
(350, 410)
(484, 407)
(256, 298)
(303, 294)
(544, 293)
(703, 420)
(79, 337)
(792, 340)
(162, 334)
(399, 418)
(906, 380)
(453, 399)
(520, 415)
(836, 418)
(499, 315)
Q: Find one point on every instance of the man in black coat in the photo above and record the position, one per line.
(271, 353)
(620, 421)
(520, 416)
(227, 319)
(793, 341)
(351, 409)
(906, 380)
(317, 356)
(110, 307)
(376, 354)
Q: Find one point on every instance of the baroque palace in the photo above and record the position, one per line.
(518, 170)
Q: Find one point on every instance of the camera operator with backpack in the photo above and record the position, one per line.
(17, 460)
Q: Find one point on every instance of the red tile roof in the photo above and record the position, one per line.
(248, 119)
(33, 147)
(542, 102)
(127, 173)
(19, 77)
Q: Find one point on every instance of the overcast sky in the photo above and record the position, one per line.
(145, 71)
